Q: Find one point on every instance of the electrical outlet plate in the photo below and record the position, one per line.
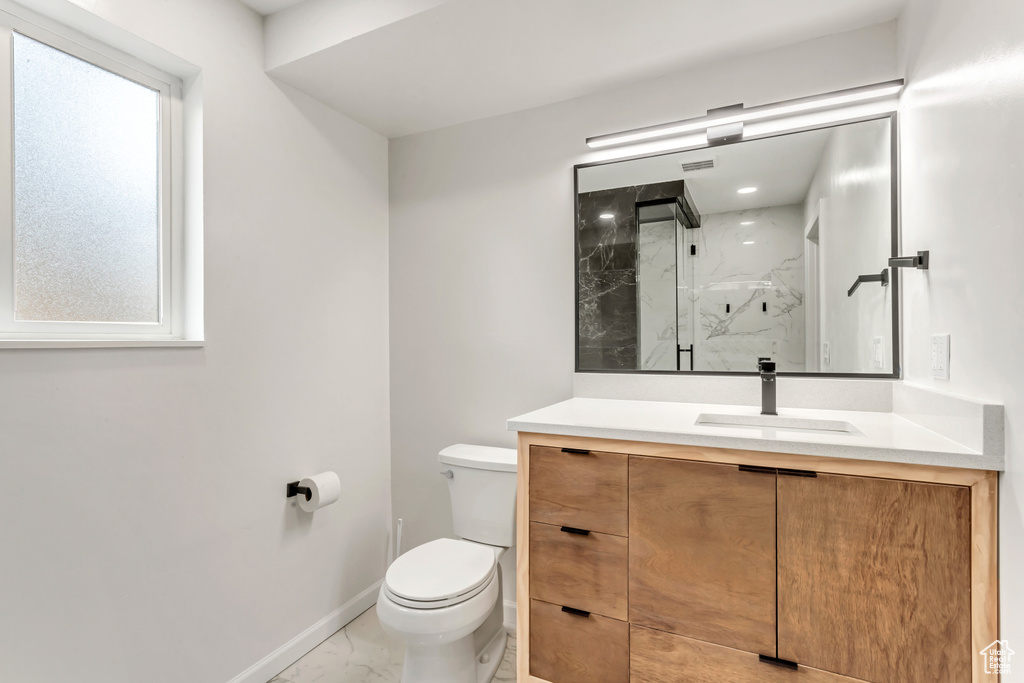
(879, 353)
(827, 353)
(940, 356)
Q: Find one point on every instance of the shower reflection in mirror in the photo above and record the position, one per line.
(709, 259)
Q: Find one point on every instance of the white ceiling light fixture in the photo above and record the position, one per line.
(746, 222)
(728, 122)
(746, 190)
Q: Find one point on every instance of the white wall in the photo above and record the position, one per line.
(855, 238)
(962, 177)
(482, 291)
(145, 534)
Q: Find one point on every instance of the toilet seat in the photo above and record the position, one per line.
(440, 573)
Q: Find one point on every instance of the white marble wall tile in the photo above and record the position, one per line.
(656, 285)
(750, 268)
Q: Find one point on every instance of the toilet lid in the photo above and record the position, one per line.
(441, 569)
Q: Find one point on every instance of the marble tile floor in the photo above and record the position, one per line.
(362, 653)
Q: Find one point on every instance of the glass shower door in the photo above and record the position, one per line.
(657, 264)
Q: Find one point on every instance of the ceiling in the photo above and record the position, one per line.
(780, 167)
(270, 6)
(462, 60)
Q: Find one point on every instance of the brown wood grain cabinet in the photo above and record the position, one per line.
(875, 578)
(702, 552)
(586, 571)
(659, 657)
(579, 488)
(698, 565)
(574, 648)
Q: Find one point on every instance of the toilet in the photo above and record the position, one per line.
(444, 598)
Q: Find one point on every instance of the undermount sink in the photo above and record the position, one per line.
(800, 424)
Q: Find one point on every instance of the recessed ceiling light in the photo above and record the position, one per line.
(751, 242)
(746, 222)
(747, 190)
(607, 216)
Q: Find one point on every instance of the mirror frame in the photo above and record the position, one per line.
(894, 279)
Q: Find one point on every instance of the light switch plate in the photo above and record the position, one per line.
(940, 356)
(879, 353)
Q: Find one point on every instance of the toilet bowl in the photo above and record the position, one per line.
(444, 598)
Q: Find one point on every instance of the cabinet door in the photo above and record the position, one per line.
(582, 489)
(702, 552)
(577, 648)
(658, 657)
(874, 578)
(587, 572)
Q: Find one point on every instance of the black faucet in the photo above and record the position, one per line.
(767, 370)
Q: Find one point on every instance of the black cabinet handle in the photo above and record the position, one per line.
(775, 661)
(574, 530)
(778, 470)
(579, 613)
(576, 451)
(757, 470)
(798, 473)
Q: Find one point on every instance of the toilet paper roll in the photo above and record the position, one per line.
(324, 489)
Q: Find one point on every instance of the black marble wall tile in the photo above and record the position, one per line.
(607, 243)
(608, 358)
(606, 290)
(608, 308)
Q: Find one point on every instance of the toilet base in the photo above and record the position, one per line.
(488, 661)
(454, 662)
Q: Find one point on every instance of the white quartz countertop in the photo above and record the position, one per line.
(885, 437)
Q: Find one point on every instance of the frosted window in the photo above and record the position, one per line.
(86, 191)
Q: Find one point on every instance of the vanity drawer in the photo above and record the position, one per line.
(585, 571)
(572, 648)
(586, 490)
(659, 657)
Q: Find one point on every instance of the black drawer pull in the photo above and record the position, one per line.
(774, 661)
(576, 451)
(777, 470)
(581, 613)
(574, 530)
(798, 473)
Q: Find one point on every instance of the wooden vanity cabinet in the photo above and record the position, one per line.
(875, 578)
(702, 552)
(570, 647)
(583, 570)
(578, 541)
(729, 566)
(659, 657)
(579, 488)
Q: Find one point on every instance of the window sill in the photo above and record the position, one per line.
(99, 343)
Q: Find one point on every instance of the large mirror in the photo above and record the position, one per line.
(708, 260)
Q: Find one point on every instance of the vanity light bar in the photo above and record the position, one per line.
(831, 100)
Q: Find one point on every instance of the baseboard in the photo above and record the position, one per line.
(284, 656)
(510, 617)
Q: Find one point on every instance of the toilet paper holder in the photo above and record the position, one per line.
(294, 490)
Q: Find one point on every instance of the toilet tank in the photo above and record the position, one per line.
(483, 492)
